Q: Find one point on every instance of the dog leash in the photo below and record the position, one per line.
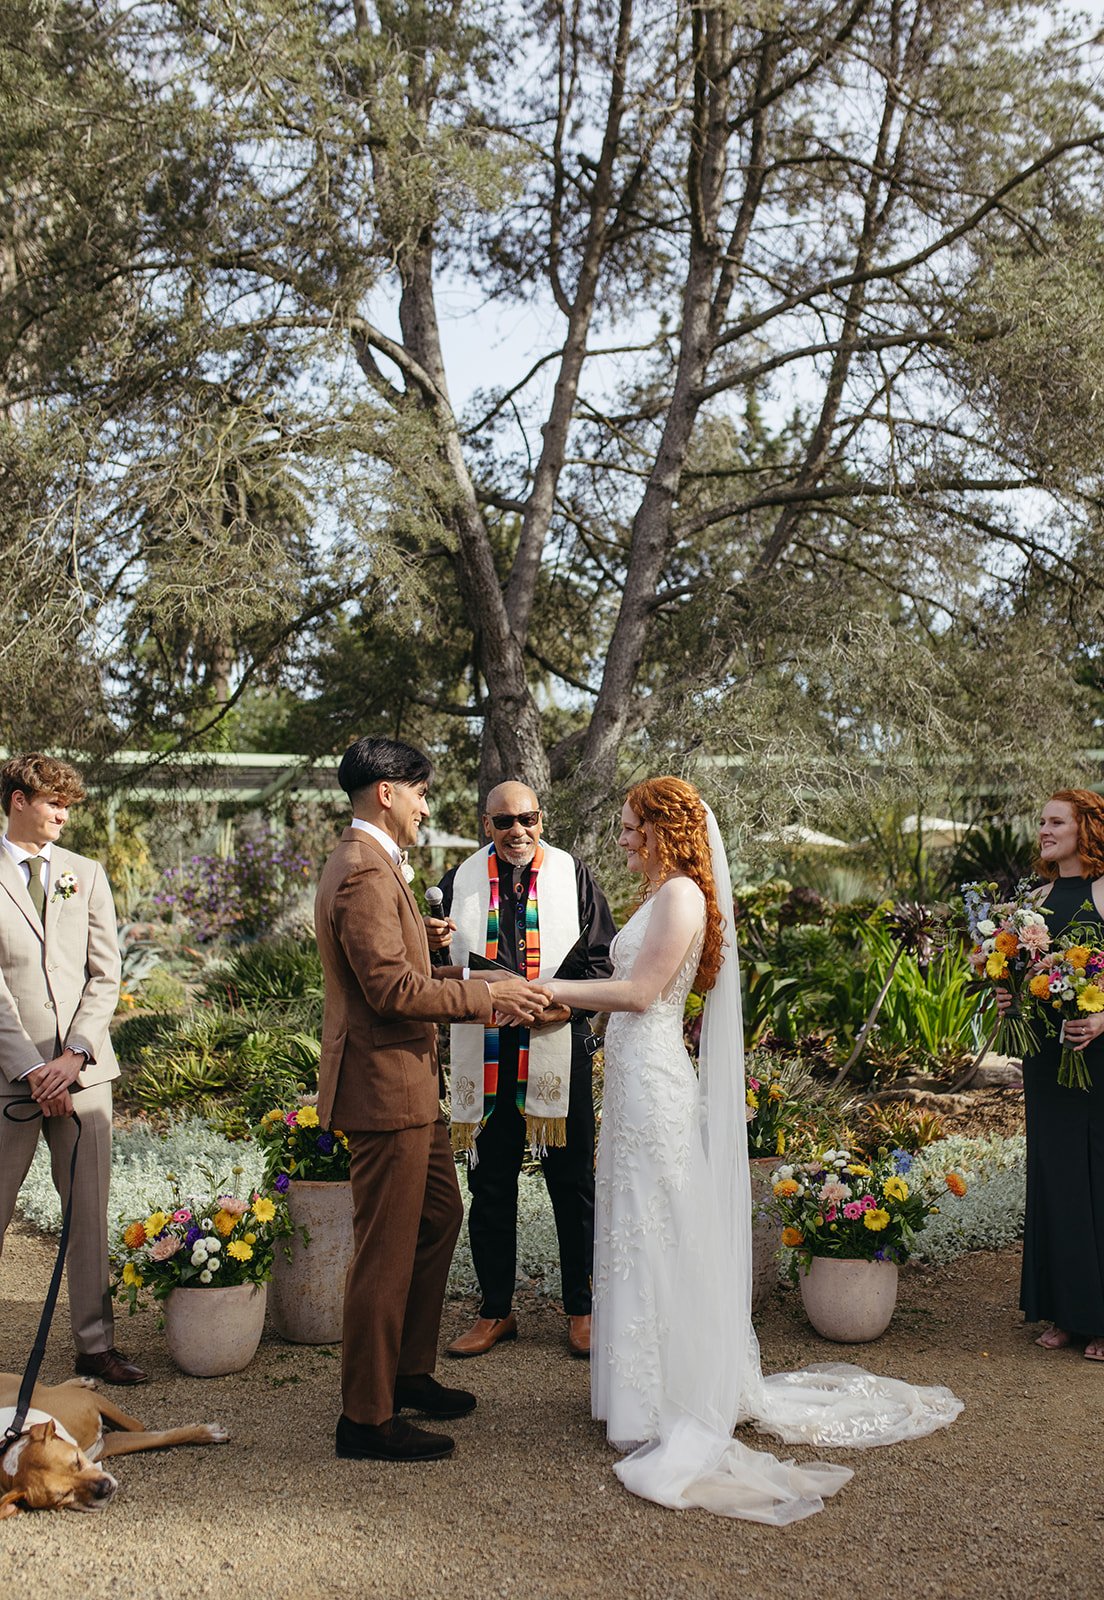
(30, 1376)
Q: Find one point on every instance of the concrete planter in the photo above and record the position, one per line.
(308, 1280)
(849, 1302)
(211, 1332)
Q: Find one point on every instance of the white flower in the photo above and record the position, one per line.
(213, 1264)
(205, 1277)
(206, 1224)
(987, 926)
(199, 1256)
(214, 1245)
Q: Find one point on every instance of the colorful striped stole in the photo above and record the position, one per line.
(529, 961)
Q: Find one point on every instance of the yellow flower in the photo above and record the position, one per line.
(240, 1250)
(753, 1099)
(306, 1117)
(857, 1170)
(263, 1209)
(292, 1164)
(780, 1143)
(1091, 998)
(131, 1275)
(786, 1187)
(250, 1238)
(995, 965)
(875, 1220)
(134, 1236)
(792, 1237)
(776, 1092)
(224, 1222)
(275, 1115)
(1077, 955)
(156, 1222)
(895, 1189)
(1040, 986)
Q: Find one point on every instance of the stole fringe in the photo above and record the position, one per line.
(463, 1135)
(541, 1132)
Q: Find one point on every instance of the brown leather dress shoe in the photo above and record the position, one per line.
(483, 1335)
(397, 1440)
(110, 1365)
(578, 1335)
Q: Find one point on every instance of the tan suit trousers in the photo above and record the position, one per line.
(87, 1265)
(407, 1213)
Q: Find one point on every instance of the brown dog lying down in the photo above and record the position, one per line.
(52, 1465)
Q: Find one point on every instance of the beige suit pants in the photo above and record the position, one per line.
(87, 1264)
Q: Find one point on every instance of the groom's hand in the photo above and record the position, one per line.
(517, 1002)
(553, 1016)
(439, 932)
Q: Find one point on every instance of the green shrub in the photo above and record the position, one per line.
(273, 975)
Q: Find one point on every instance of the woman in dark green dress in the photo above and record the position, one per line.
(1063, 1259)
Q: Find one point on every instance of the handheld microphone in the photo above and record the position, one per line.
(434, 902)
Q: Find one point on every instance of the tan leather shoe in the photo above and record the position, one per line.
(578, 1335)
(483, 1335)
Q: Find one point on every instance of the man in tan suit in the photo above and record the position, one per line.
(59, 985)
(380, 1083)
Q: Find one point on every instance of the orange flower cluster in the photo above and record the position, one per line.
(956, 1184)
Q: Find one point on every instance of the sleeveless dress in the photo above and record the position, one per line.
(1063, 1259)
(649, 1113)
(674, 1357)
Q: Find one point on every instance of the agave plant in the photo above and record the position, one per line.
(914, 928)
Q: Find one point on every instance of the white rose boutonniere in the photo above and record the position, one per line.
(65, 887)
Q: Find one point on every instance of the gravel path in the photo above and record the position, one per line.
(1007, 1502)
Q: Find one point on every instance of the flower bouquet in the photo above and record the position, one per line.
(1069, 983)
(1009, 937)
(219, 1241)
(838, 1205)
(298, 1147)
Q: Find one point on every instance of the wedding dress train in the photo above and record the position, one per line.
(675, 1359)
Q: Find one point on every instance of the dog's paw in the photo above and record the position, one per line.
(82, 1383)
(216, 1433)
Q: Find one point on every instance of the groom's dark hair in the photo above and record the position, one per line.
(370, 761)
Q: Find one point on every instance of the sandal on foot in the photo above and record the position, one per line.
(1094, 1350)
(1058, 1339)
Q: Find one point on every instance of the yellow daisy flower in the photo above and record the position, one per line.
(876, 1220)
(263, 1209)
(240, 1250)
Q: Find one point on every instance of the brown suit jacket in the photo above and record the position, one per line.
(378, 1070)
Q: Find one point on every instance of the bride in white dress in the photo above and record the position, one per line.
(675, 1359)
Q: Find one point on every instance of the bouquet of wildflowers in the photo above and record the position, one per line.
(770, 1117)
(1069, 983)
(839, 1205)
(218, 1241)
(1009, 937)
(298, 1147)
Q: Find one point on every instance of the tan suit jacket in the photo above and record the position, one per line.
(378, 1071)
(59, 985)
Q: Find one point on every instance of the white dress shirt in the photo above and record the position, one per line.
(380, 837)
(21, 857)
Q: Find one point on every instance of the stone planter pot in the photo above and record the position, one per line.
(766, 1230)
(211, 1332)
(308, 1284)
(849, 1301)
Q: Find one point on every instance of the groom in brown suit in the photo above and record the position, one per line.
(379, 1082)
(59, 985)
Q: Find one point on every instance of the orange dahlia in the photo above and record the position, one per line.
(955, 1184)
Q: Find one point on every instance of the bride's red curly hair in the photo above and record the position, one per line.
(1088, 808)
(677, 814)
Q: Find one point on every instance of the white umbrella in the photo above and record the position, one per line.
(795, 833)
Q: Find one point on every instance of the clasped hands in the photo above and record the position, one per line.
(521, 1004)
(50, 1083)
(1077, 1032)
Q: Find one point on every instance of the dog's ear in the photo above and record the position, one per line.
(41, 1431)
(9, 1505)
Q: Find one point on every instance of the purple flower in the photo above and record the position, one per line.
(192, 1235)
(282, 1183)
(902, 1161)
(325, 1143)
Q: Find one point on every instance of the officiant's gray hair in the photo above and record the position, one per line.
(369, 761)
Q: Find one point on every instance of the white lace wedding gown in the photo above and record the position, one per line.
(675, 1360)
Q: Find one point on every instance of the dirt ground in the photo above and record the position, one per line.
(1006, 1503)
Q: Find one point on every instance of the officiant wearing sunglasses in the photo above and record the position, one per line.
(536, 910)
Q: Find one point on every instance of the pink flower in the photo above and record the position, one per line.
(868, 1203)
(183, 1215)
(853, 1210)
(168, 1244)
(236, 1208)
(753, 1083)
(834, 1191)
(1035, 939)
(290, 1117)
(831, 1214)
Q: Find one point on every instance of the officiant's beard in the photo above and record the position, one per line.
(518, 855)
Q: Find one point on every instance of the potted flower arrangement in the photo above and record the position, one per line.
(849, 1224)
(309, 1166)
(209, 1260)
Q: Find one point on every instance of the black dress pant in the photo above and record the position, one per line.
(568, 1173)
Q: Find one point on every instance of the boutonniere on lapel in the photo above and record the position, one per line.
(405, 868)
(65, 887)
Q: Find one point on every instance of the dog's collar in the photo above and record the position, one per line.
(9, 1461)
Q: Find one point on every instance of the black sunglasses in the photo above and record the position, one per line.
(528, 819)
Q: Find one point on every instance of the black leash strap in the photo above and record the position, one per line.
(30, 1376)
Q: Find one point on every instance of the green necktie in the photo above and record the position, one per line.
(36, 888)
